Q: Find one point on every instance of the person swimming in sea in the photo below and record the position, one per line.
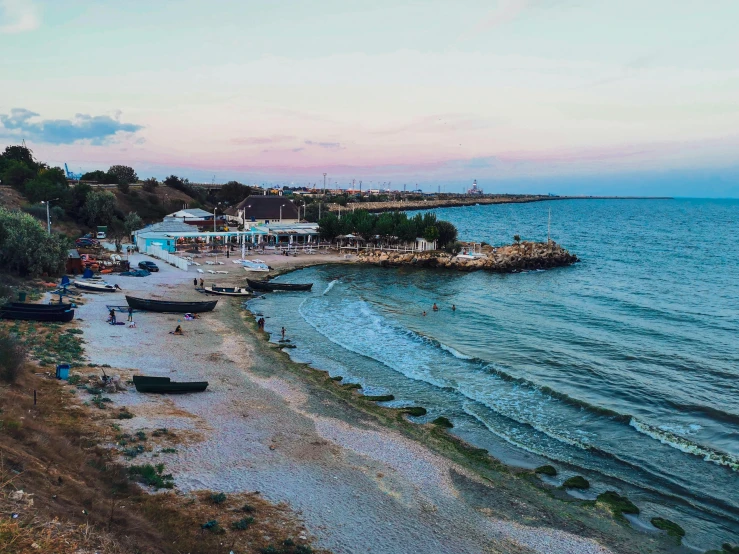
(435, 307)
(454, 308)
(424, 312)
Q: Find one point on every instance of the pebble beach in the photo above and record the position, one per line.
(358, 486)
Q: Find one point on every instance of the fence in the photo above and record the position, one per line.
(165, 256)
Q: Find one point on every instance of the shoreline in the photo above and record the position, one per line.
(287, 429)
(379, 207)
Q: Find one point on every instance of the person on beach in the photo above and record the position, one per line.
(177, 331)
(202, 283)
(130, 313)
(435, 307)
(283, 333)
(112, 316)
(195, 281)
(117, 287)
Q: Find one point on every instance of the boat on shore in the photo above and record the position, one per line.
(100, 286)
(270, 286)
(255, 265)
(39, 307)
(227, 291)
(57, 316)
(149, 305)
(163, 385)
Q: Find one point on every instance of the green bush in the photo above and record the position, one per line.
(218, 498)
(27, 249)
(152, 476)
(12, 358)
(242, 524)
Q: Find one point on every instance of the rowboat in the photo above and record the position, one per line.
(271, 286)
(60, 316)
(39, 307)
(163, 385)
(227, 291)
(100, 286)
(255, 265)
(149, 305)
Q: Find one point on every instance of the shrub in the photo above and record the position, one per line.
(124, 414)
(12, 358)
(152, 476)
(219, 498)
(242, 524)
(27, 249)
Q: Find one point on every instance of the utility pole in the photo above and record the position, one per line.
(48, 218)
(549, 227)
(324, 184)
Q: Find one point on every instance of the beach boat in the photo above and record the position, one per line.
(39, 307)
(227, 291)
(255, 265)
(271, 286)
(149, 305)
(62, 316)
(163, 385)
(99, 286)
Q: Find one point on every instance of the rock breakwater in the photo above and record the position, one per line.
(502, 259)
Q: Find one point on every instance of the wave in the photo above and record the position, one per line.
(684, 445)
(330, 286)
(401, 349)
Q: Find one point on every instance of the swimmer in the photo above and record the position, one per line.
(454, 308)
(435, 307)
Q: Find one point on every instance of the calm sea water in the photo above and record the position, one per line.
(623, 368)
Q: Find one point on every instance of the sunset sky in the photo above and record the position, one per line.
(567, 96)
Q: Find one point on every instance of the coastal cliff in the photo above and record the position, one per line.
(503, 259)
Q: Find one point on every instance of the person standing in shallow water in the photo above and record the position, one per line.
(283, 333)
(454, 308)
(435, 307)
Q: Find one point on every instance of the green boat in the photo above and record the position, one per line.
(163, 385)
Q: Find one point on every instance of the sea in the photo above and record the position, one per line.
(623, 368)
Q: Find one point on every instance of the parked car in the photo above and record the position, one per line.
(86, 242)
(148, 266)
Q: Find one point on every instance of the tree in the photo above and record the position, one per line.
(76, 199)
(18, 153)
(233, 192)
(49, 184)
(124, 187)
(100, 207)
(98, 176)
(431, 233)
(329, 227)
(150, 184)
(447, 233)
(16, 174)
(516, 238)
(123, 174)
(176, 182)
(132, 223)
(27, 249)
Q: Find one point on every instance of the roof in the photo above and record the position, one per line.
(195, 213)
(168, 225)
(267, 207)
(73, 253)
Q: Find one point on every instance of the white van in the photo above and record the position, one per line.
(101, 235)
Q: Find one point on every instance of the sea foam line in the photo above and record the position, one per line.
(684, 445)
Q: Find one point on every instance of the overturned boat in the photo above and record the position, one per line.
(149, 305)
(56, 316)
(97, 286)
(163, 385)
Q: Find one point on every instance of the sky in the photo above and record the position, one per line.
(561, 96)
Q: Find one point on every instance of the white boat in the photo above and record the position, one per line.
(255, 265)
(98, 286)
(473, 253)
(228, 291)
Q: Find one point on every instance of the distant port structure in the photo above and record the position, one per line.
(474, 190)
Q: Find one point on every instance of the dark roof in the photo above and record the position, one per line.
(268, 207)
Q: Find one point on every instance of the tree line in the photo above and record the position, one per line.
(389, 227)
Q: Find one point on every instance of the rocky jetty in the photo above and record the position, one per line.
(502, 259)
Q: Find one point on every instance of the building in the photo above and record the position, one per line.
(263, 210)
(192, 214)
(422, 245)
(173, 234)
(161, 234)
(293, 233)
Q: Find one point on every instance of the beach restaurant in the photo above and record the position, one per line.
(172, 235)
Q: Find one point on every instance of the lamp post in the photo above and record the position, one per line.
(48, 217)
(281, 206)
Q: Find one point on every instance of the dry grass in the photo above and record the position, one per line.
(83, 500)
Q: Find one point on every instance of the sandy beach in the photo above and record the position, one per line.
(358, 485)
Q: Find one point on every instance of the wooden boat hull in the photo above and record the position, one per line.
(226, 291)
(38, 307)
(38, 315)
(163, 306)
(163, 385)
(269, 286)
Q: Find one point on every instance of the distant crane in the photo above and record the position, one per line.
(72, 176)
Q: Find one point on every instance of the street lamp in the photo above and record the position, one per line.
(48, 217)
(281, 212)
